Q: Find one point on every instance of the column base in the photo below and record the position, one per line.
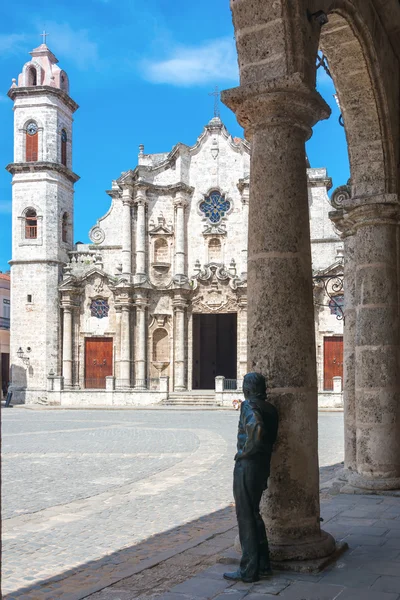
(357, 481)
(180, 388)
(297, 566)
(322, 546)
(140, 279)
(122, 384)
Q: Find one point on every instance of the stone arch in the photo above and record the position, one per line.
(277, 43)
(64, 82)
(65, 227)
(31, 223)
(32, 76)
(353, 61)
(27, 74)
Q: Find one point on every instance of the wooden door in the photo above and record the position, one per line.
(333, 360)
(98, 361)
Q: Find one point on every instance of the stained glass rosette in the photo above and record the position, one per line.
(99, 308)
(214, 207)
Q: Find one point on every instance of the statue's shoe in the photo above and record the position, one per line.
(236, 576)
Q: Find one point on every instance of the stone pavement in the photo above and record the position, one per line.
(91, 497)
(368, 570)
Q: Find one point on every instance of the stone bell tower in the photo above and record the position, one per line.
(42, 219)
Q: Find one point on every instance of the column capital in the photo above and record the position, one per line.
(364, 211)
(286, 101)
(180, 199)
(179, 303)
(127, 194)
(141, 195)
(141, 301)
(69, 300)
(343, 223)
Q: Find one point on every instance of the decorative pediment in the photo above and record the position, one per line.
(161, 227)
(96, 276)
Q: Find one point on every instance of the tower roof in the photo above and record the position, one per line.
(43, 70)
(44, 50)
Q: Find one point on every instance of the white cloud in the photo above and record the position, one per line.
(72, 44)
(5, 207)
(215, 60)
(12, 43)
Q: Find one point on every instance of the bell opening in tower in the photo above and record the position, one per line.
(214, 349)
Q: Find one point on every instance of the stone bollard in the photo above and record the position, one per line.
(219, 383)
(164, 383)
(337, 385)
(110, 383)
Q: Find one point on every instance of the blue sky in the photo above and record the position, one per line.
(141, 73)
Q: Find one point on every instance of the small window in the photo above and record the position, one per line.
(29, 298)
(214, 206)
(30, 224)
(99, 308)
(64, 147)
(31, 140)
(214, 250)
(64, 228)
(32, 76)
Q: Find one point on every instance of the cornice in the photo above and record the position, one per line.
(40, 166)
(323, 182)
(40, 90)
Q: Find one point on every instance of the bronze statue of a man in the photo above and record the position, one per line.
(258, 427)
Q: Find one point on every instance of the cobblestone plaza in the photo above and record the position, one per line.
(81, 485)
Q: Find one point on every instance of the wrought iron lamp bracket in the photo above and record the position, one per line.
(333, 287)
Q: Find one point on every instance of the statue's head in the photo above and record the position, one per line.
(254, 386)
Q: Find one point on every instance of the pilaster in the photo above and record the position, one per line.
(141, 303)
(127, 231)
(179, 304)
(180, 203)
(141, 275)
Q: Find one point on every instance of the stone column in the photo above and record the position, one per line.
(141, 203)
(125, 350)
(140, 353)
(377, 374)
(67, 345)
(344, 224)
(126, 231)
(180, 203)
(278, 117)
(242, 341)
(179, 305)
(244, 190)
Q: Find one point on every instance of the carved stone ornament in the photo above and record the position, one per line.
(212, 274)
(97, 235)
(161, 228)
(214, 303)
(340, 195)
(98, 286)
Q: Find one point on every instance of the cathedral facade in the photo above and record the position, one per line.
(154, 308)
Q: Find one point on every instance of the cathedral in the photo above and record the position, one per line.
(153, 309)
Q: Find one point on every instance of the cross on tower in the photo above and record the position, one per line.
(44, 35)
(216, 94)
